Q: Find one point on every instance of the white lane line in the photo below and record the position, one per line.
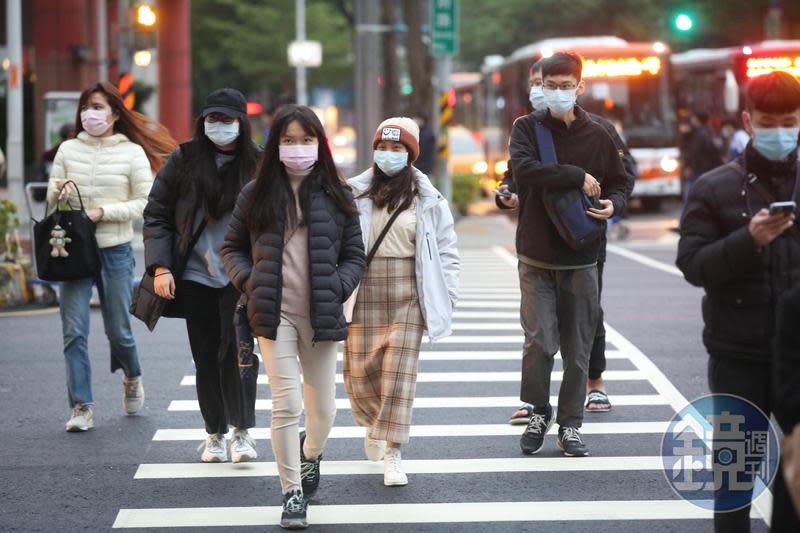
(488, 326)
(481, 339)
(475, 377)
(418, 513)
(504, 304)
(411, 466)
(763, 504)
(644, 260)
(485, 315)
(447, 430)
(501, 355)
(450, 402)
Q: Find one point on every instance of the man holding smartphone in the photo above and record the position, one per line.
(506, 198)
(746, 257)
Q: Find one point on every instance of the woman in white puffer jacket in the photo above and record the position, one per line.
(112, 161)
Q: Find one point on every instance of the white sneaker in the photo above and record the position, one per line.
(215, 450)
(134, 394)
(374, 448)
(393, 474)
(81, 418)
(243, 447)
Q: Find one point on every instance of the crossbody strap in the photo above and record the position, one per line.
(380, 238)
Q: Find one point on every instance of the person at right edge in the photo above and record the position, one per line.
(559, 285)
(745, 258)
(597, 397)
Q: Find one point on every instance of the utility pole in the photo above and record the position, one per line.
(102, 40)
(15, 149)
(773, 22)
(368, 104)
(300, 36)
(123, 44)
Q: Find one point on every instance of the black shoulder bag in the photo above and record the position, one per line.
(65, 244)
(567, 207)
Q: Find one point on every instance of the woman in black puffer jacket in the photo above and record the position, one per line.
(294, 247)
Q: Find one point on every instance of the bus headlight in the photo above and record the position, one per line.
(669, 164)
(500, 167)
(479, 167)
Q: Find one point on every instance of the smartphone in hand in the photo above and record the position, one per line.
(506, 194)
(785, 208)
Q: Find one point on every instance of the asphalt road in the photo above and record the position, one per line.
(465, 467)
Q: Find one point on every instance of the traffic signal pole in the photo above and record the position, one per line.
(368, 96)
(440, 121)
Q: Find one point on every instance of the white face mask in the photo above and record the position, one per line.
(390, 162)
(536, 98)
(220, 133)
(560, 101)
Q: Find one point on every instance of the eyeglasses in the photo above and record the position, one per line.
(550, 86)
(218, 117)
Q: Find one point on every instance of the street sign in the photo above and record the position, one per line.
(305, 53)
(444, 21)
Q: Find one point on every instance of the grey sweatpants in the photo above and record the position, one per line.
(558, 308)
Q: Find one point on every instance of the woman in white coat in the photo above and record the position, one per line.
(112, 161)
(410, 286)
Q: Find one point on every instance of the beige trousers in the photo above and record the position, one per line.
(285, 358)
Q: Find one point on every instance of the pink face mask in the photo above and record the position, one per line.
(298, 156)
(95, 122)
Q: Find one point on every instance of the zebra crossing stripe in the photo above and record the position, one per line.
(451, 402)
(475, 377)
(418, 513)
(411, 466)
(447, 430)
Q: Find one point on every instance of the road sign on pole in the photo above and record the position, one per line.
(444, 21)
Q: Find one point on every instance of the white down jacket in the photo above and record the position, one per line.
(112, 173)
(437, 261)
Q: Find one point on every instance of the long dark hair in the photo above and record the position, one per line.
(272, 192)
(152, 136)
(392, 192)
(219, 188)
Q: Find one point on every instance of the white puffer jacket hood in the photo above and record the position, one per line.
(112, 173)
(437, 261)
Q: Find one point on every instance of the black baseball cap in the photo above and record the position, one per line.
(226, 101)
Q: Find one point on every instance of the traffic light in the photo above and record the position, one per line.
(683, 22)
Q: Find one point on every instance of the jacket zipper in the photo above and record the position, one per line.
(428, 242)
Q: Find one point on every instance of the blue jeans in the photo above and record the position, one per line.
(115, 286)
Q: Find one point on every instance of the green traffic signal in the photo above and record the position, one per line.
(684, 22)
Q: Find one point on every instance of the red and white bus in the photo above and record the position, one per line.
(627, 83)
(713, 80)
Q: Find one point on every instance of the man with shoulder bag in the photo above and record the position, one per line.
(562, 162)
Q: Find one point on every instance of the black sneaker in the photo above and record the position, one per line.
(533, 438)
(569, 442)
(309, 470)
(294, 510)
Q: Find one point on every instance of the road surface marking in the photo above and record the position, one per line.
(475, 377)
(418, 513)
(450, 402)
(447, 430)
(411, 466)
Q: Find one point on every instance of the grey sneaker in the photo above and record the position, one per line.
(243, 447)
(293, 515)
(569, 442)
(134, 394)
(214, 449)
(532, 439)
(81, 419)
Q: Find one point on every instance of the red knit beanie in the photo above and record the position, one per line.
(400, 129)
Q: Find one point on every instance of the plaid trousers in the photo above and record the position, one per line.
(381, 352)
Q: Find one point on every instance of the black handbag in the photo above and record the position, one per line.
(567, 207)
(148, 306)
(65, 244)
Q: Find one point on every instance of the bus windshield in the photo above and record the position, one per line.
(635, 107)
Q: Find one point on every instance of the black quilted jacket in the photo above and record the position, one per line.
(336, 254)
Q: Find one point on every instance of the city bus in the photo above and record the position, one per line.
(627, 82)
(713, 80)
